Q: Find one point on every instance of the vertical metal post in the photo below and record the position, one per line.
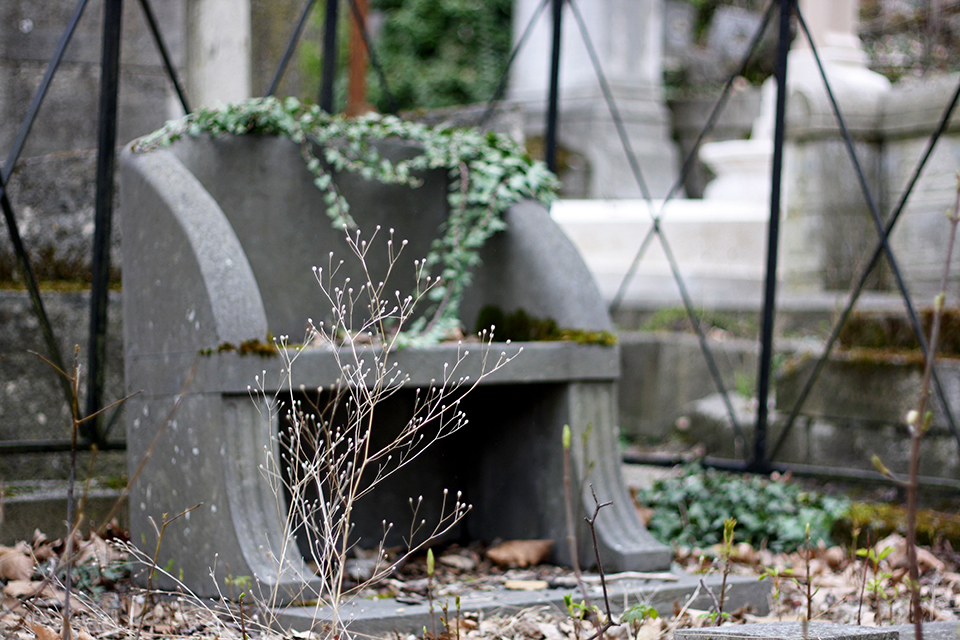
(550, 140)
(106, 157)
(759, 461)
(329, 56)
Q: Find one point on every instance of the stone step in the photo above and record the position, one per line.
(378, 618)
(819, 631)
(42, 506)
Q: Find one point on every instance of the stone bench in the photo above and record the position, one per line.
(219, 240)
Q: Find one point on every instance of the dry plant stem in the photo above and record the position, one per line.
(568, 511)
(863, 583)
(809, 588)
(430, 565)
(728, 532)
(807, 556)
(723, 591)
(328, 460)
(153, 563)
(243, 623)
(601, 629)
(71, 505)
(73, 520)
(126, 490)
(919, 425)
(713, 596)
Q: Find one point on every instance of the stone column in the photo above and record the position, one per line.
(833, 25)
(627, 37)
(218, 51)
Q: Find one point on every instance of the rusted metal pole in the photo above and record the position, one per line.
(357, 91)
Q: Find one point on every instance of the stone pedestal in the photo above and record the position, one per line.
(827, 227)
(219, 239)
(627, 37)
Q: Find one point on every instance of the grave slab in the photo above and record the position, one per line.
(931, 630)
(789, 631)
(380, 618)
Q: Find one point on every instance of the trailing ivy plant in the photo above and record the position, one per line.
(487, 173)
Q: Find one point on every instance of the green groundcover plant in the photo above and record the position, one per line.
(689, 510)
(487, 172)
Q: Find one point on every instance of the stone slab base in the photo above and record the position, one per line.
(378, 618)
(818, 631)
(43, 507)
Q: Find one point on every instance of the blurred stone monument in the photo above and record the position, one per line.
(627, 36)
(826, 223)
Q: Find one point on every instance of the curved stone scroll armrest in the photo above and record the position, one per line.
(187, 281)
(188, 286)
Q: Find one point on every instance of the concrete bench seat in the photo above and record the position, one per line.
(219, 237)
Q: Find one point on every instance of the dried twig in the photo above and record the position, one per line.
(601, 628)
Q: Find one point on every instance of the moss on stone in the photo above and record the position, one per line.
(264, 349)
(878, 520)
(520, 326)
(873, 334)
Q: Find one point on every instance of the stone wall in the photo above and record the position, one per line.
(828, 232)
(32, 402)
(52, 188)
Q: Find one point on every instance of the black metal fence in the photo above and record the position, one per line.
(780, 15)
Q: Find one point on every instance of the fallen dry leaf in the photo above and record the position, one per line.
(457, 561)
(926, 561)
(10, 620)
(520, 553)
(96, 549)
(24, 589)
(14, 564)
(835, 557)
(551, 631)
(526, 585)
(43, 633)
(650, 629)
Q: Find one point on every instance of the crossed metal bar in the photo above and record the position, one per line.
(759, 460)
(106, 157)
(106, 160)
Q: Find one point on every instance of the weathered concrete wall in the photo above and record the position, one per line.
(32, 403)
(828, 232)
(660, 373)
(919, 239)
(52, 188)
(29, 32)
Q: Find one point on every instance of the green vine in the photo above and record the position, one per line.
(488, 173)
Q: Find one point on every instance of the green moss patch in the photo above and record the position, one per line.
(520, 326)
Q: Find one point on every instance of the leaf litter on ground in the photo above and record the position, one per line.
(107, 604)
